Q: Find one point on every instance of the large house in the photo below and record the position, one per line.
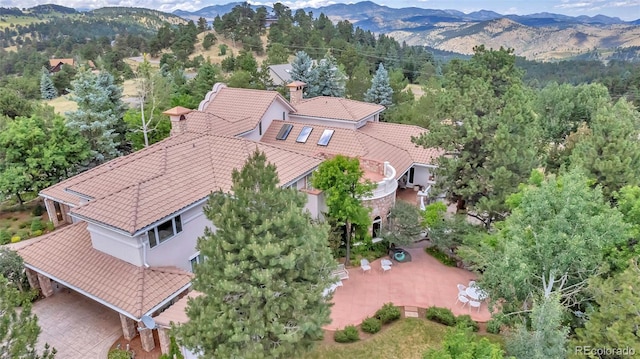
(129, 227)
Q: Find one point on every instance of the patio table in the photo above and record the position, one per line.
(475, 293)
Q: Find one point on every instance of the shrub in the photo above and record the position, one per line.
(119, 354)
(465, 321)
(388, 313)
(37, 225)
(493, 326)
(38, 211)
(371, 325)
(23, 234)
(23, 225)
(441, 315)
(15, 239)
(5, 236)
(441, 257)
(36, 233)
(50, 226)
(348, 335)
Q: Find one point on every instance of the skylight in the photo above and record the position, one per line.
(304, 134)
(325, 138)
(284, 132)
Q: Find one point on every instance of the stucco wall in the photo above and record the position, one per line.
(274, 112)
(116, 244)
(177, 250)
(421, 175)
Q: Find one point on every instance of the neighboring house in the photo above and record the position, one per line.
(131, 224)
(280, 75)
(55, 65)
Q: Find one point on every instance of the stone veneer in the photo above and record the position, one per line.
(380, 207)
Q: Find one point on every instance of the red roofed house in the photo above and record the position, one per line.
(130, 226)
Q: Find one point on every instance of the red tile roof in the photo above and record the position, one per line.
(337, 108)
(375, 141)
(243, 108)
(132, 192)
(176, 313)
(67, 254)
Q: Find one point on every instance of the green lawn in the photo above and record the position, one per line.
(407, 338)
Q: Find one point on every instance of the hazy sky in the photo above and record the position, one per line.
(624, 9)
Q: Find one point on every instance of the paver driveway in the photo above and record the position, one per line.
(78, 327)
(423, 282)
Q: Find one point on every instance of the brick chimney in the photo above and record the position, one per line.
(177, 115)
(295, 92)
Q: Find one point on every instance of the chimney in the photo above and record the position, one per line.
(295, 92)
(177, 115)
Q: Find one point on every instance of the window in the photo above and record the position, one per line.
(284, 132)
(195, 260)
(325, 138)
(164, 231)
(304, 134)
(411, 174)
(260, 128)
(377, 222)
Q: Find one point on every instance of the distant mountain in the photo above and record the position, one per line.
(537, 36)
(210, 12)
(51, 8)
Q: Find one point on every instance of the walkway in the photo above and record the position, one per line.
(78, 327)
(423, 282)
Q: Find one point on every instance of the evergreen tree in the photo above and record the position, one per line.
(19, 329)
(331, 80)
(99, 113)
(266, 266)
(611, 152)
(302, 69)
(359, 81)
(380, 91)
(47, 89)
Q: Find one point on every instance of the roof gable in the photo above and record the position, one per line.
(336, 108)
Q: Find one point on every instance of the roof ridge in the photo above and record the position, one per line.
(386, 142)
(134, 199)
(346, 108)
(170, 270)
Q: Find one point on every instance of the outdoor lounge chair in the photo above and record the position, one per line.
(386, 265)
(365, 265)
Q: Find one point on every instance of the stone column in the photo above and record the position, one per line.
(128, 327)
(165, 341)
(45, 285)
(146, 337)
(32, 276)
(51, 211)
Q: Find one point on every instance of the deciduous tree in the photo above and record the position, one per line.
(266, 266)
(341, 179)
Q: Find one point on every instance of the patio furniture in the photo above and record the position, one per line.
(341, 272)
(365, 265)
(462, 299)
(472, 283)
(461, 289)
(386, 265)
(476, 293)
(473, 303)
(399, 254)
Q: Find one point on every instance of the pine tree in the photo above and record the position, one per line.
(19, 329)
(266, 266)
(99, 113)
(331, 80)
(47, 89)
(302, 69)
(380, 91)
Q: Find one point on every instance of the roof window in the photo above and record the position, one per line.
(325, 138)
(304, 134)
(284, 132)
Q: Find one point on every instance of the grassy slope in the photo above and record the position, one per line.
(409, 338)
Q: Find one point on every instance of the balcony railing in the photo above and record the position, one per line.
(388, 185)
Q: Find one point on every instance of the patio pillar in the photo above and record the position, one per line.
(128, 327)
(146, 338)
(45, 285)
(32, 276)
(165, 341)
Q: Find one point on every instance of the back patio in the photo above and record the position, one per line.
(423, 282)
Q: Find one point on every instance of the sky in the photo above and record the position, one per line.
(624, 9)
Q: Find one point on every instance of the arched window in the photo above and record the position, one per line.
(377, 224)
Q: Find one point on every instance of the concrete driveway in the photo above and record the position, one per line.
(78, 327)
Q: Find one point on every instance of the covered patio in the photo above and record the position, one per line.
(423, 282)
